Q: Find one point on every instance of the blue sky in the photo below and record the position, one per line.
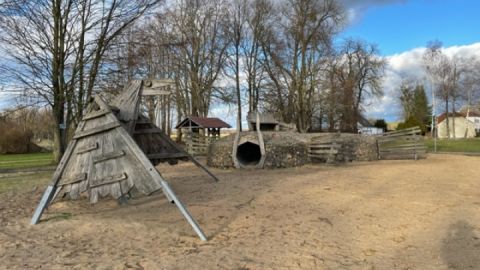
(401, 30)
(400, 26)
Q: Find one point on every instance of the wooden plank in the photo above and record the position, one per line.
(95, 114)
(166, 155)
(261, 143)
(108, 156)
(142, 120)
(96, 130)
(148, 131)
(87, 148)
(403, 148)
(148, 166)
(400, 134)
(401, 151)
(155, 92)
(114, 108)
(403, 138)
(417, 129)
(108, 180)
(129, 101)
(51, 189)
(76, 178)
(325, 146)
(331, 151)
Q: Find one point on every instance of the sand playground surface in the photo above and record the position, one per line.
(364, 215)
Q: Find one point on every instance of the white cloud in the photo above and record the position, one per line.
(355, 8)
(408, 65)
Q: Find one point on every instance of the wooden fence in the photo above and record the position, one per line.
(197, 145)
(323, 151)
(402, 144)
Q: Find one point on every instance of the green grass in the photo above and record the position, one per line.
(25, 182)
(458, 145)
(21, 161)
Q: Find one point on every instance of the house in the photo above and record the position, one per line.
(464, 128)
(474, 117)
(365, 127)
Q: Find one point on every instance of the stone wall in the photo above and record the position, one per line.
(283, 150)
(290, 149)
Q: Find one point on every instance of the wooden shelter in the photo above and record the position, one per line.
(212, 125)
(266, 120)
(113, 151)
(200, 131)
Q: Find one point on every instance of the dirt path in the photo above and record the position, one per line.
(378, 215)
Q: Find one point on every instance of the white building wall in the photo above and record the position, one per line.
(461, 124)
(476, 121)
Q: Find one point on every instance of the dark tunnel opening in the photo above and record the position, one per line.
(249, 154)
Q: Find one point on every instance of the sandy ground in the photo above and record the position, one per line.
(377, 215)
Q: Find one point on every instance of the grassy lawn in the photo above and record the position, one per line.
(25, 182)
(20, 161)
(458, 145)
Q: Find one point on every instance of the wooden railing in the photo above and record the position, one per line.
(197, 145)
(319, 151)
(402, 144)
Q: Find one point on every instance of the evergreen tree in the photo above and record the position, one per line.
(421, 110)
(416, 110)
(380, 123)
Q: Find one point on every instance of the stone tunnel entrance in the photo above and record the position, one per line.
(249, 154)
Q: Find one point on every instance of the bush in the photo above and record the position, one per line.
(412, 122)
(380, 123)
(14, 140)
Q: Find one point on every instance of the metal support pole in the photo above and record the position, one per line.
(166, 188)
(47, 196)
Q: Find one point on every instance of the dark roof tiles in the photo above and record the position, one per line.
(204, 122)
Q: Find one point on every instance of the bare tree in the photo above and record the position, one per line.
(295, 48)
(55, 50)
(359, 71)
(236, 34)
(198, 26)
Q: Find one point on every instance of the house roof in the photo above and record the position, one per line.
(442, 116)
(202, 122)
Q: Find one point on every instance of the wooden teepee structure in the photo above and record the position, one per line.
(104, 157)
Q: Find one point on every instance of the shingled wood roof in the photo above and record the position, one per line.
(202, 122)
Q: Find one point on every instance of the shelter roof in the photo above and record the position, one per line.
(202, 122)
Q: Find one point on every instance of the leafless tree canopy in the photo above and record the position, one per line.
(54, 50)
(265, 55)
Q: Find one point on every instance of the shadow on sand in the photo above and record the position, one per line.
(461, 246)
